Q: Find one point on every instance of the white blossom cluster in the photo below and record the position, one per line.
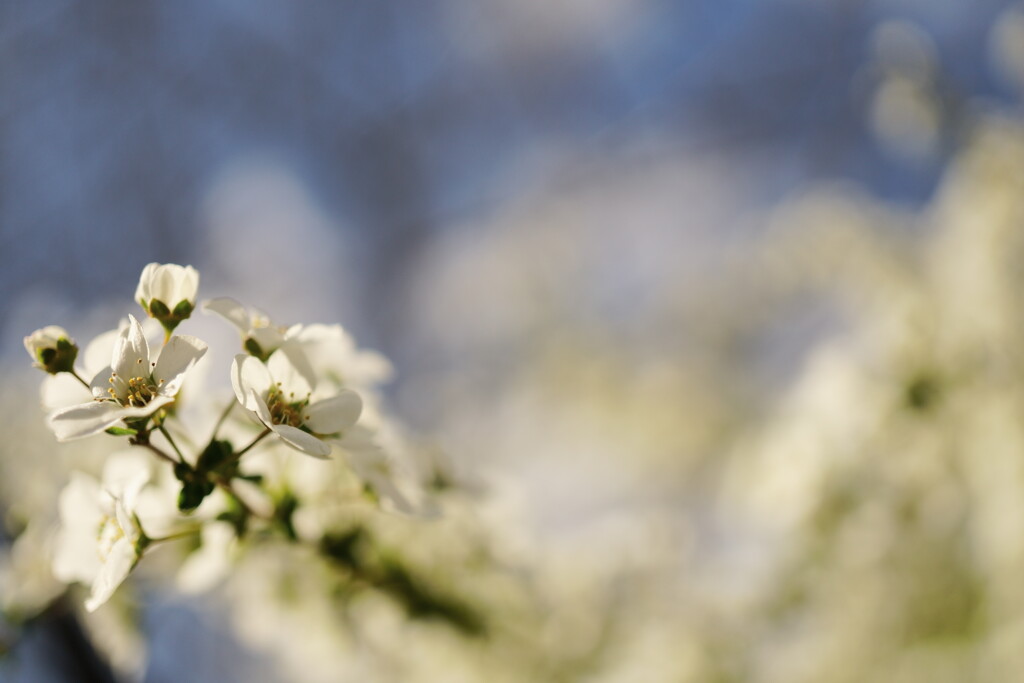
(193, 464)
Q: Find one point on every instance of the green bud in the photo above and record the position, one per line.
(167, 292)
(52, 350)
(170, 319)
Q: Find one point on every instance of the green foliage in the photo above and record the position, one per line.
(216, 462)
(356, 551)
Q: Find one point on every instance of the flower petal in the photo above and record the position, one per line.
(97, 352)
(261, 409)
(142, 291)
(178, 355)
(74, 556)
(230, 310)
(101, 383)
(85, 419)
(334, 414)
(211, 563)
(296, 354)
(131, 352)
(188, 284)
(112, 573)
(159, 401)
(124, 475)
(268, 338)
(249, 375)
(288, 377)
(375, 468)
(164, 284)
(302, 441)
(45, 337)
(60, 391)
(177, 285)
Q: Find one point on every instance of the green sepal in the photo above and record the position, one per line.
(137, 424)
(60, 358)
(121, 431)
(253, 348)
(158, 309)
(170, 319)
(183, 310)
(143, 541)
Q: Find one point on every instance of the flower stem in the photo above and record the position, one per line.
(252, 443)
(167, 435)
(230, 490)
(79, 378)
(221, 419)
(144, 442)
(179, 534)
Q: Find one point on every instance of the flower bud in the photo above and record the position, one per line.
(167, 292)
(52, 350)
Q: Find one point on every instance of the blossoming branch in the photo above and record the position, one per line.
(181, 467)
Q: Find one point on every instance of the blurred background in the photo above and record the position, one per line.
(715, 300)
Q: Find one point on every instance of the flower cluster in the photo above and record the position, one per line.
(302, 386)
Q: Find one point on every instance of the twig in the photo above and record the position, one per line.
(167, 435)
(252, 443)
(230, 490)
(158, 451)
(221, 419)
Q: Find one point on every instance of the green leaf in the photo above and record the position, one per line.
(183, 472)
(192, 494)
(195, 486)
(217, 458)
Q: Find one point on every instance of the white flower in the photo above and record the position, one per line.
(133, 386)
(63, 390)
(278, 396)
(260, 337)
(332, 353)
(100, 539)
(167, 292)
(26, 584)
(371, 463)
(52, 349)
(212, 561)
